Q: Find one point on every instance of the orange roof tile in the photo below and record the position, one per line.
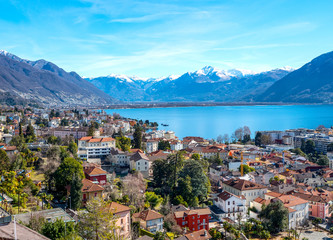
(89, 186)
(118, 208)
(93, 171)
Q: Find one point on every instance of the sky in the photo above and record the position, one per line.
(156, 38)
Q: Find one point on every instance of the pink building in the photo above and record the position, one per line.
(123, 216)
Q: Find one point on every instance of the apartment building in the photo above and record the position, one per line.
(95, 147)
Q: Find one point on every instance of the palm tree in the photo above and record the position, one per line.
(43, 197)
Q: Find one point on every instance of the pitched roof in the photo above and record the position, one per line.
(200, 211)
(138, 156)
(198, 235)
(226, 195)
(22, 232)
(148, 214)
(85, 138)
(243, 185)
(118, 208)
(89, 186)
(93, 171)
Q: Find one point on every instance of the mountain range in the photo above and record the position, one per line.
(43, 82)
(206, 84)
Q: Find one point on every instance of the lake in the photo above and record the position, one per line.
(209, 122)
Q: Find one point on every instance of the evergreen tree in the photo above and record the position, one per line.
(91, 130)
(257, 139)
(76, 192)
(4, 161)
(30, 133)
(137, 137)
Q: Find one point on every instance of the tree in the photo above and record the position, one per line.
(134, 187)
(219, 138)
(91, 130)
(4, 161)
(164, 145)
(30, 133)
(152, 199)
(246, 131)
(195, 156)
(123, 143)
(97, 221)
(72, 147)
(76, 192)
(275, 216)
(66, 171)
(316, 222)
(266, 139)
(171, 225)
(239, 133)
(160, 236)
(323, 160)
(309, 147)
(137, 137)
(216, 235)
(257, 139)
(57, 229)
(184, 189)
(199, 181)
(246, 169)
(246, 138)
(226, 138)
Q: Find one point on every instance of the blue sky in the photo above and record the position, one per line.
(159, 38)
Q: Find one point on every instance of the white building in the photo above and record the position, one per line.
(231, 206)
(241, 187)
(141, 163)
(151, 145)
(95, 147)
(176, 145)
(119, 158)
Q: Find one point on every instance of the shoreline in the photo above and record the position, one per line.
(198, 104)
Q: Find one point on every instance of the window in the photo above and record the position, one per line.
(233, 202)
(121, 221)
(228, 203)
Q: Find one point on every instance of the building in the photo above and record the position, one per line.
(150, 220)
(176, 145)
(151, 145)
(123, 215)
(229, 206)
(119, 158)
(141, 163)
(245, 188)
(91, 190)
(298, 208)
(77, 133)
(22, 232)
(50, 215)
(198, 235)
(193, 219)
(95, 174)
(92, 147)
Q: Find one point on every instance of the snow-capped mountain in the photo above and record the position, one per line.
(206, 84)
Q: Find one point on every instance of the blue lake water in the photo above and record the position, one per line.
(209, 122)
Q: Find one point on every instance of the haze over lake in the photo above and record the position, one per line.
(209, 122)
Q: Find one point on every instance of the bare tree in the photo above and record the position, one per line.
(219, 138)
(134, 188)
(246, 130)
(225, 138)
(239, 133)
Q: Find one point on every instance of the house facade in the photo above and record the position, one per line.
(194, 219)
(91, 190)
(123, 219)
(96, 175)
(95, 147)
(249, 190)
(150, 220)
(231, 206)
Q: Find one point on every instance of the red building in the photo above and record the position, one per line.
(193, 220)
(95, 174)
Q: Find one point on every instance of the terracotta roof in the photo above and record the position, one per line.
(89, 186)
(138, 156)
(243, 185)
(118, 208)
(262, 201)
(85, 138)
(201, 211)
(147, 215)
(198, 235)
(291, 201)
(93, 171)
(274, 194)
(109, 139)
(94, 140)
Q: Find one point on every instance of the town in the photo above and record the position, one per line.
(85, 174)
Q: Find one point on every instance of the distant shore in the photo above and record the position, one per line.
(196, 104)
